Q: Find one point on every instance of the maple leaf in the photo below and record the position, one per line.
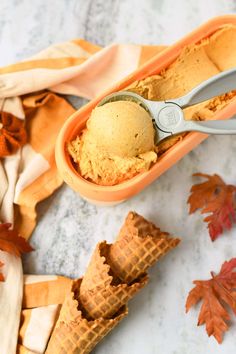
(215, 293)
(11, 242)
(216, 198)
(1, 275)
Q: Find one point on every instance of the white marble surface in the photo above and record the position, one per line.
(68, 227)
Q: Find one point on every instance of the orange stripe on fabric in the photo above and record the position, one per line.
(41, 188)
(45, 115)
(87, 46)
(55, 63)
(25, 318)
(149, 51)
(46, 293)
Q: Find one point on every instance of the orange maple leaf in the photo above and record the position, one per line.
(11, 242)
(215, 293)
(217, 199)
(12, 134)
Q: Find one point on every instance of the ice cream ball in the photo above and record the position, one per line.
(122, 128)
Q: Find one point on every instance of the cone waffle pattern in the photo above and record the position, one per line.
(116, 272)
(137, 225)
(104, 300)
(81, 336)
(139, 245)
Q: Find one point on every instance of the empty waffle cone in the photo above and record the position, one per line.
(104, 300)
(137, 225)
(82, 337)
(70, 310)
(73, 332)
(139, 245)
(115, 273)
(98, 271)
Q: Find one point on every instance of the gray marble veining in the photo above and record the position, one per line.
(68, 227)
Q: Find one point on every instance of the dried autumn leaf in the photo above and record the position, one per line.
(11, 242)
(216, 198)
(215, 293)
(1, 275)
(12, 134)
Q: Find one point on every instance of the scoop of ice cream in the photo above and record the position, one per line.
(122, 128)
(116, 145)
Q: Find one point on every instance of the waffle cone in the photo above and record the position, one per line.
(139, 245)
(98, 271)
(74, 332)
(97, 302)
(70, 311)
(137, 225)
(82, 336)
(104, 299)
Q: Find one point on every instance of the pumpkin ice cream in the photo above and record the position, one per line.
(116, 145)
(108, 151)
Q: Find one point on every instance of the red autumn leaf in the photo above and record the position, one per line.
(215, 294)
(11, 242)
(1, 275)
(217, 199)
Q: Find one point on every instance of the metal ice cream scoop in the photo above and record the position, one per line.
(168, 116)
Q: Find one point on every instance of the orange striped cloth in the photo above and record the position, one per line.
(31, 111)
(42, 300)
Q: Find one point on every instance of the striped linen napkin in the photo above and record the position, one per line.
(32, 109)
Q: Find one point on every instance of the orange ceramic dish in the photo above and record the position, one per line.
(74, 125)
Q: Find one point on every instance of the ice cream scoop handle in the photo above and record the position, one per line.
(215, 86)
(211, 127)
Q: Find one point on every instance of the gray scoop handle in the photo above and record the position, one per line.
(215, 86)
(169, 116)
(224, 127)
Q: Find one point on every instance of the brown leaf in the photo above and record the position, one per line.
(11, 242)
(12, 134)
(215, 293)
(216, 198)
